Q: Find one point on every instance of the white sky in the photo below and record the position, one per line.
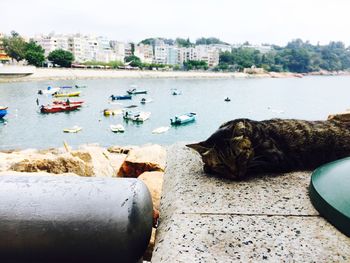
(233, 21)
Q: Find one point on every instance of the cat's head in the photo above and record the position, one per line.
(226, 153)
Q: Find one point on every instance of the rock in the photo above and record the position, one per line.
(104, 163)
(143, 159)
(154, 182)
(56, 166)
(343, 116)
(118, 149)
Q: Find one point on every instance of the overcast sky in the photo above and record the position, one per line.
(233, 21)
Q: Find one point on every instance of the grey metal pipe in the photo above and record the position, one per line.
(73, 219)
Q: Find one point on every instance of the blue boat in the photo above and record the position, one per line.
(3, 112)
(123, 97)
(182, 119)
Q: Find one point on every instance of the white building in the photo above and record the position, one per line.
(119, 49)
(50, 43)
(144, 52)
(160, 52)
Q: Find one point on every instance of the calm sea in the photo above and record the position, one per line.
(24, 127)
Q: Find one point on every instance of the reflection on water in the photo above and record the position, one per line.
(24, 126)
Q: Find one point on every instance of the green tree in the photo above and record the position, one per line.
(135, 61)
(34, 54)
(61, 57)
(183, 42)
(14, 46)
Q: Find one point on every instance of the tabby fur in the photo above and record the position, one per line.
(242, 147)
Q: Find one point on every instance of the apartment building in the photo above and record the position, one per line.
(50, 43)
(160, 52)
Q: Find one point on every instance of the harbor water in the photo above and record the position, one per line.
(310, 98)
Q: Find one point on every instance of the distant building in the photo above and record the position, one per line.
(172, 55)
(119, 49)
(50, 43)
(160, 52)
(144, 52)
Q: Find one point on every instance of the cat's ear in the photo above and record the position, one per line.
(199, 147)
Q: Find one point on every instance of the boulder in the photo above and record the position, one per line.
(343, 116)
(154, 182)
(143, 159)
(56, 166)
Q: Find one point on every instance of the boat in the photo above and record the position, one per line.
(117, 128)
(3, 111)
(57, 108)
(182, 119)
(11, 71)
(74, 129)
(139, 116)
(109, 112)
(131, 106)
(227, 99)
(66, 87)
(68, 102)
(161, 130)
(71, 94)
(122, 97)
(80, 86)
(176, 92)
(135, 91)
(49, 90)
(144, 101)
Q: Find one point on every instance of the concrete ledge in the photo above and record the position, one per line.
(268, 218)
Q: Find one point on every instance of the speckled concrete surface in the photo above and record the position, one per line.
(269, 218)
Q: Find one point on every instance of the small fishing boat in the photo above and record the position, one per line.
(74, 129)
(109, 112)
(161, 130)
(57, 108)
(70, 94)
(80, 86)
(144, 101)
(122, 97)
(117, 128)
(68, 102)
(135, 91)
(49, 90)
(140, 116)
(3, 111)
(131, 106)
(66, 87)
(182, 119)
(176, 92)
(227, 99)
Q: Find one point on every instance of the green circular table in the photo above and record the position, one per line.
(330, 193)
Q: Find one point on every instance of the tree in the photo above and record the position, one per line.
(183, 42)
(14, 46)
(34, 54)
(61, 57)
(135, 61)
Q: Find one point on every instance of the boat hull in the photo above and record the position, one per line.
(60, 108)
(3, 113)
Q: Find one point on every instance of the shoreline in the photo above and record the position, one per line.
(44, 74)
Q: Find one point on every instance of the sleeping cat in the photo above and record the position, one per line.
(241, 147)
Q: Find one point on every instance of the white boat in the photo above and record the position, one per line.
(49, 90)
(14, 71)
(117, 128)
(74, 129)
(144, 101)
(161, 130)
(140, 116)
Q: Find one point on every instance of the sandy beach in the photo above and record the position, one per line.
(71, 74)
